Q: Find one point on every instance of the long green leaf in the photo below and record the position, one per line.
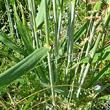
(4, 38)
(9, 17)
(99, 75)
(23, 31)
(80, 31)
(40, 15)
(22, 67)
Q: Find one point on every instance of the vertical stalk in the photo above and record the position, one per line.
(56, 42)
(57, 21)
(49, 54)
(58, 32)
(9, 18)
(70, 35)
(32, 12)
(56, 25)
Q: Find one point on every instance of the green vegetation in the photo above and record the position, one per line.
(54, 54)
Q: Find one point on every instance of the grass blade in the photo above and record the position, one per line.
(70, 36)
(32, 13)
(4, 38)
(40, 15)
(23, 31)
(9, 17)
(80, 32)
(22, 67)
(99, 75)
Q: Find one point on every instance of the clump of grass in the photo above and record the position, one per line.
(64, 63)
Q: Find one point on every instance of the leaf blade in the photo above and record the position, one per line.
(23, 66)
(4, 38)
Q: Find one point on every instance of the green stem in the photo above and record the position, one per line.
(56, 42)
(32, 12)
(71, 36)
(49, 54)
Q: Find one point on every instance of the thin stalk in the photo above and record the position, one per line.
(56, 42)
(71, 36)
(49, 54)
(57, 33)
(56, 25)
(71, 31)
(59, 21)
(16, 31)
(9, 17)
(12, 102)
(42, 38)
(32, 12)
(76, 70)
(59, 26)
(106, 20)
